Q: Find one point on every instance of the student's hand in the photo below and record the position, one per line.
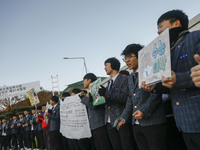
(102, 90)
(169, 83)
(87, 95)
(195, 71)
(26, 124)
(46, 115)
(122, 122)
(147, 88)
(81, 95)
(118, 122)
(138, 115)
(90, 98)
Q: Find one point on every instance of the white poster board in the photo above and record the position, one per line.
(20, 89)
(154, 60)
(74, 122)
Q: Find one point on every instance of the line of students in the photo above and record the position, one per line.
(22, 132)
(140, 118)
(153, 125)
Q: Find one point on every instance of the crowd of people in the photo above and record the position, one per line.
(163, 116)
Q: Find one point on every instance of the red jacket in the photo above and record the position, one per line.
(43, 121)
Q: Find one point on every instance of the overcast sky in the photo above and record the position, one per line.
(35, 35)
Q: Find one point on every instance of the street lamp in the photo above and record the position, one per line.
(78, 58)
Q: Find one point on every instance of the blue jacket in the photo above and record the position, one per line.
(148, 103)
(27, 120)
(95, 114)
(185, 96)
(0, 129)
(14, 130)
(20, 128)
(39, 125)
(34, 123)
(3, 129)
(116, 98)
(54, 118)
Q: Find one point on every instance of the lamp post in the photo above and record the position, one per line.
(78, 58)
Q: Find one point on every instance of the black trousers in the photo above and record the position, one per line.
(20, 138)
(73, 144)
(85, 144)
(175, 140)
(101, 139)
(33, 135)
(150, 137)
(4, 141)
(192, 140)
(9, 138)
(27, 139)
(55, 140)
(65, 143)
(121, 139)
(14, 141)
(0, 142)
(40, 139)
(46, 139)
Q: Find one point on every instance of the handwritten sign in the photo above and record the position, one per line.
(154, 60)
(74, 122)
(16, 90)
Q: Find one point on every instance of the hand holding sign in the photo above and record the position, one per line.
(169, 83)
(195, 71)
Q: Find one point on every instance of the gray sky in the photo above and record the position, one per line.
(35, 35)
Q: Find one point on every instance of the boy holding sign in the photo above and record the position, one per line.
(185, 95)
(148, 120)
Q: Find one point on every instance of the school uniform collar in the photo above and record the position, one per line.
(115, 77)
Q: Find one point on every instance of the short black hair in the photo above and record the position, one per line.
(76, 90)
(14, 115)
(55, 99)
(115, 64)
(124, 72)
(91, 76)
(39, 107)
(132, 48)
(174, 15)
(65, 94)
(44, 105)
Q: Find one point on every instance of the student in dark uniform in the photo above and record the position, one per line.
(116, 94)
(0, 135)
(96, 116)
(33, 128)
(27, 129)
(146, 108)
(20, 134)
(14, 131)
(5, 132)
(54, 135)
(39, 131)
